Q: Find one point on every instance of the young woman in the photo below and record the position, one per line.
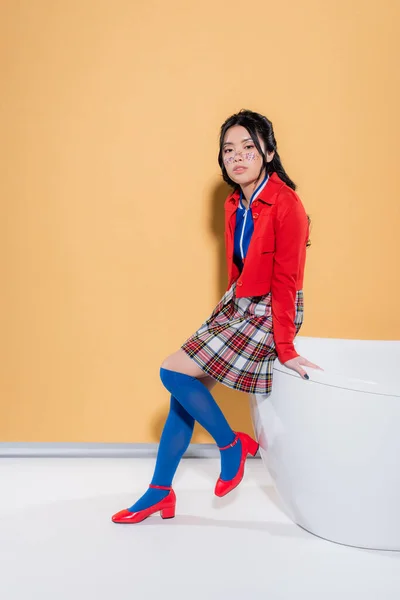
(266, 234)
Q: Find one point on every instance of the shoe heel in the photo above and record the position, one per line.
(252, 446)
(168, 513)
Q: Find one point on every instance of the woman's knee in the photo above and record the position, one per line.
(181, 363)
(167, 362)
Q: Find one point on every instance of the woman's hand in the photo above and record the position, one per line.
(297, 363)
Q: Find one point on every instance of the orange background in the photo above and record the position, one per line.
(112, 202)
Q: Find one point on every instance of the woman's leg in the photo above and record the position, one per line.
(174, 441)
(182, 378)
(188, 406)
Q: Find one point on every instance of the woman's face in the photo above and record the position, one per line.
(241, 158)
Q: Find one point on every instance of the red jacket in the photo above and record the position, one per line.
(276, 256)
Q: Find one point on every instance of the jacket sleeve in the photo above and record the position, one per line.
(291, 232)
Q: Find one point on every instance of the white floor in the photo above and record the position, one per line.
(57, 541)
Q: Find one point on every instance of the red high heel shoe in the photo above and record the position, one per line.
(166, 507)
(249, 446)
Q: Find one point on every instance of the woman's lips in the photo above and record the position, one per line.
(239, 169)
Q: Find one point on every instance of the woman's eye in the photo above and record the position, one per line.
(249, 147)
(227, 150)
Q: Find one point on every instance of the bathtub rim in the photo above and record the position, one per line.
(330, 377)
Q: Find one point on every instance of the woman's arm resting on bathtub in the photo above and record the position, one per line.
(298, 362)
(291, 233)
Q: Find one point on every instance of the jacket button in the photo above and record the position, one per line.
(255, 215)
(239, 283)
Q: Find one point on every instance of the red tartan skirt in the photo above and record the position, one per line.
(235, 345)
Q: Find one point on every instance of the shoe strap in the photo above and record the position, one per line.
(235, 441)
(159, 487)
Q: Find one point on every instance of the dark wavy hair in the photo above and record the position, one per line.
(256, 125)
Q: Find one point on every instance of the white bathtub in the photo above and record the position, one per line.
(332, 444)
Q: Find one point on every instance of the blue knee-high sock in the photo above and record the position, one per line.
(199, 403)
(175, 439)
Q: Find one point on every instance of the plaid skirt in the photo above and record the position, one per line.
(235, 345)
